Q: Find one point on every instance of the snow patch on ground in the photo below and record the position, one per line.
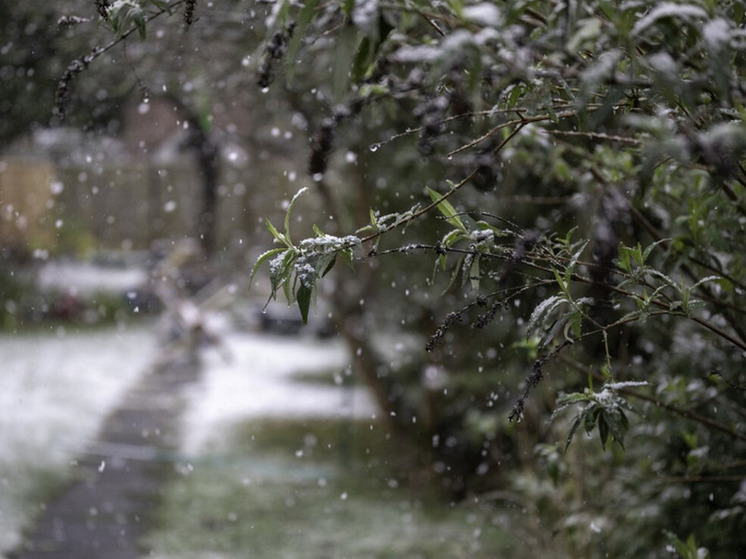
(84, 278)
(54, 393)
(56, 389)
(257, 380)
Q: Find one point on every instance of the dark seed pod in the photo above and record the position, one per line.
(189, 8)
(321, 145)
(102, 7)
(63, 86)
(69, 21)
(273, 52)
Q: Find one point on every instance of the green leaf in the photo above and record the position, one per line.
(280, 270)
(573, 260)
(452, 237)
(650, 248)
(447, 209)
(288, 212)
(458, 268)
(560, 281)
(603, 429)
(543, 311)
(475, 274)
(262, 259)
(160, 4)
(276, 234)
(615, 423)
(557, 325)
(301, 24)
(344, 54)
(139, 20)
(706, 280)
(573, 428)
(330, 265)
(303, 296)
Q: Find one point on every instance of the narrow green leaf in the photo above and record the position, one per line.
(616, 426)
(262, 259)
(458, 268)
(330, 265)
(346, 47)
(275, 233)
(475, 274)
(557, 325)
(280, 272)
(573, 428)
(289, 211)
(560, 281)
(650, 248)
(303, 296)
(138, 19)
(571, 266)
(301, 24)
(452, 237)
(706, 280)
(542, 311)
(447, 209)
(603, 429)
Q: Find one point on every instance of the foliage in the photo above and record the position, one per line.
(295, 269)
(574, 171)
(604, 410)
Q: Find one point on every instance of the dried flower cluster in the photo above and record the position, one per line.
(189, 11)
(102, 7)
(63, 86)
(67, 21)
(273, 52)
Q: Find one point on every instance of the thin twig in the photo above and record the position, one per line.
(521, 122)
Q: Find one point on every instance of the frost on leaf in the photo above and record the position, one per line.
(686, 12)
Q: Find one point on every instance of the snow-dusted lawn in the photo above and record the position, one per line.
(55, 390)
(255, 376)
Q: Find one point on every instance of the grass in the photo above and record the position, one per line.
(54, 392)
(317, 489)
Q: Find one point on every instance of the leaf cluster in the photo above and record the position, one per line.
(604, 410)
(295, 269)
(122, 15)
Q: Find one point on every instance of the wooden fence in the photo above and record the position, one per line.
(114, 205)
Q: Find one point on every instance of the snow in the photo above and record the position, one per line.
(716, 34)
(484, 14)
(86, 278)
(365, 16)
(687, 12)
(55, 390)
(259, 379)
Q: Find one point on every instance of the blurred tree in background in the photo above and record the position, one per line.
(543, 203)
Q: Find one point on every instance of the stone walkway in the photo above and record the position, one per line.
(119, 478)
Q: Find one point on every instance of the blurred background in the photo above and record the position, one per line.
(131, 215)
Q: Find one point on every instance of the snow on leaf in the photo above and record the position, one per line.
(416, 54)
(486, 14)
(263, 258)
(542, 311)
(686, 12)
(716, 34)
(627, 384)
(365, 16)
(603, 68)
